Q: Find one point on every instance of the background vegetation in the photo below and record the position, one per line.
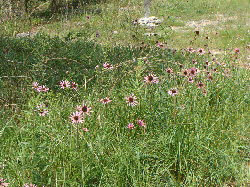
(200, 137)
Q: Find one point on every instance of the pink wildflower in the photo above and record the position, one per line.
(31, 185)
(35, 86)
(65, 84)
(193, 71)
(190, 50)
(105, 100)
(194, 61)
(185, 72)
(131, 100)
(41, 109)
(76, 117)
(200, 85)
(2, 183)
(108, 66)
(169, 70)
(130, 126)
(74, 85)
(190, 79)
(84, 109)
(151, 78)
(43, 88)
(237, 50)
(85, 129)
(173, 92)
(210, 77)
(160, 45)
(201, 51)
(205, 93)
(141, 123)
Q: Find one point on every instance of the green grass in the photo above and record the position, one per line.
(191, 139)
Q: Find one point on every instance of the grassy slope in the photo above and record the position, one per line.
(206, 143)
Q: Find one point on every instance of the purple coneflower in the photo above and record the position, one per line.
(173, 92)
(194, 61)
(108, 66)
(185, 72)
(2, 183)
(74, 85)
(85, 129)
(131, 100)
(105, 100)
(151, 79)
(205, 93)
(237, 50)
(190, 79)
(130, 126)
(192, 71)
(65, 84)
(84, 109)
(35, 86)
(169, 70)
(43, 88)
(200, 85)
(41, 109)
(201, 51)
(210, 77)
(190, 50)
(141, 123)
(76, 117)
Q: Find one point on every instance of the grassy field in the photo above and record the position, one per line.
(88, 99)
